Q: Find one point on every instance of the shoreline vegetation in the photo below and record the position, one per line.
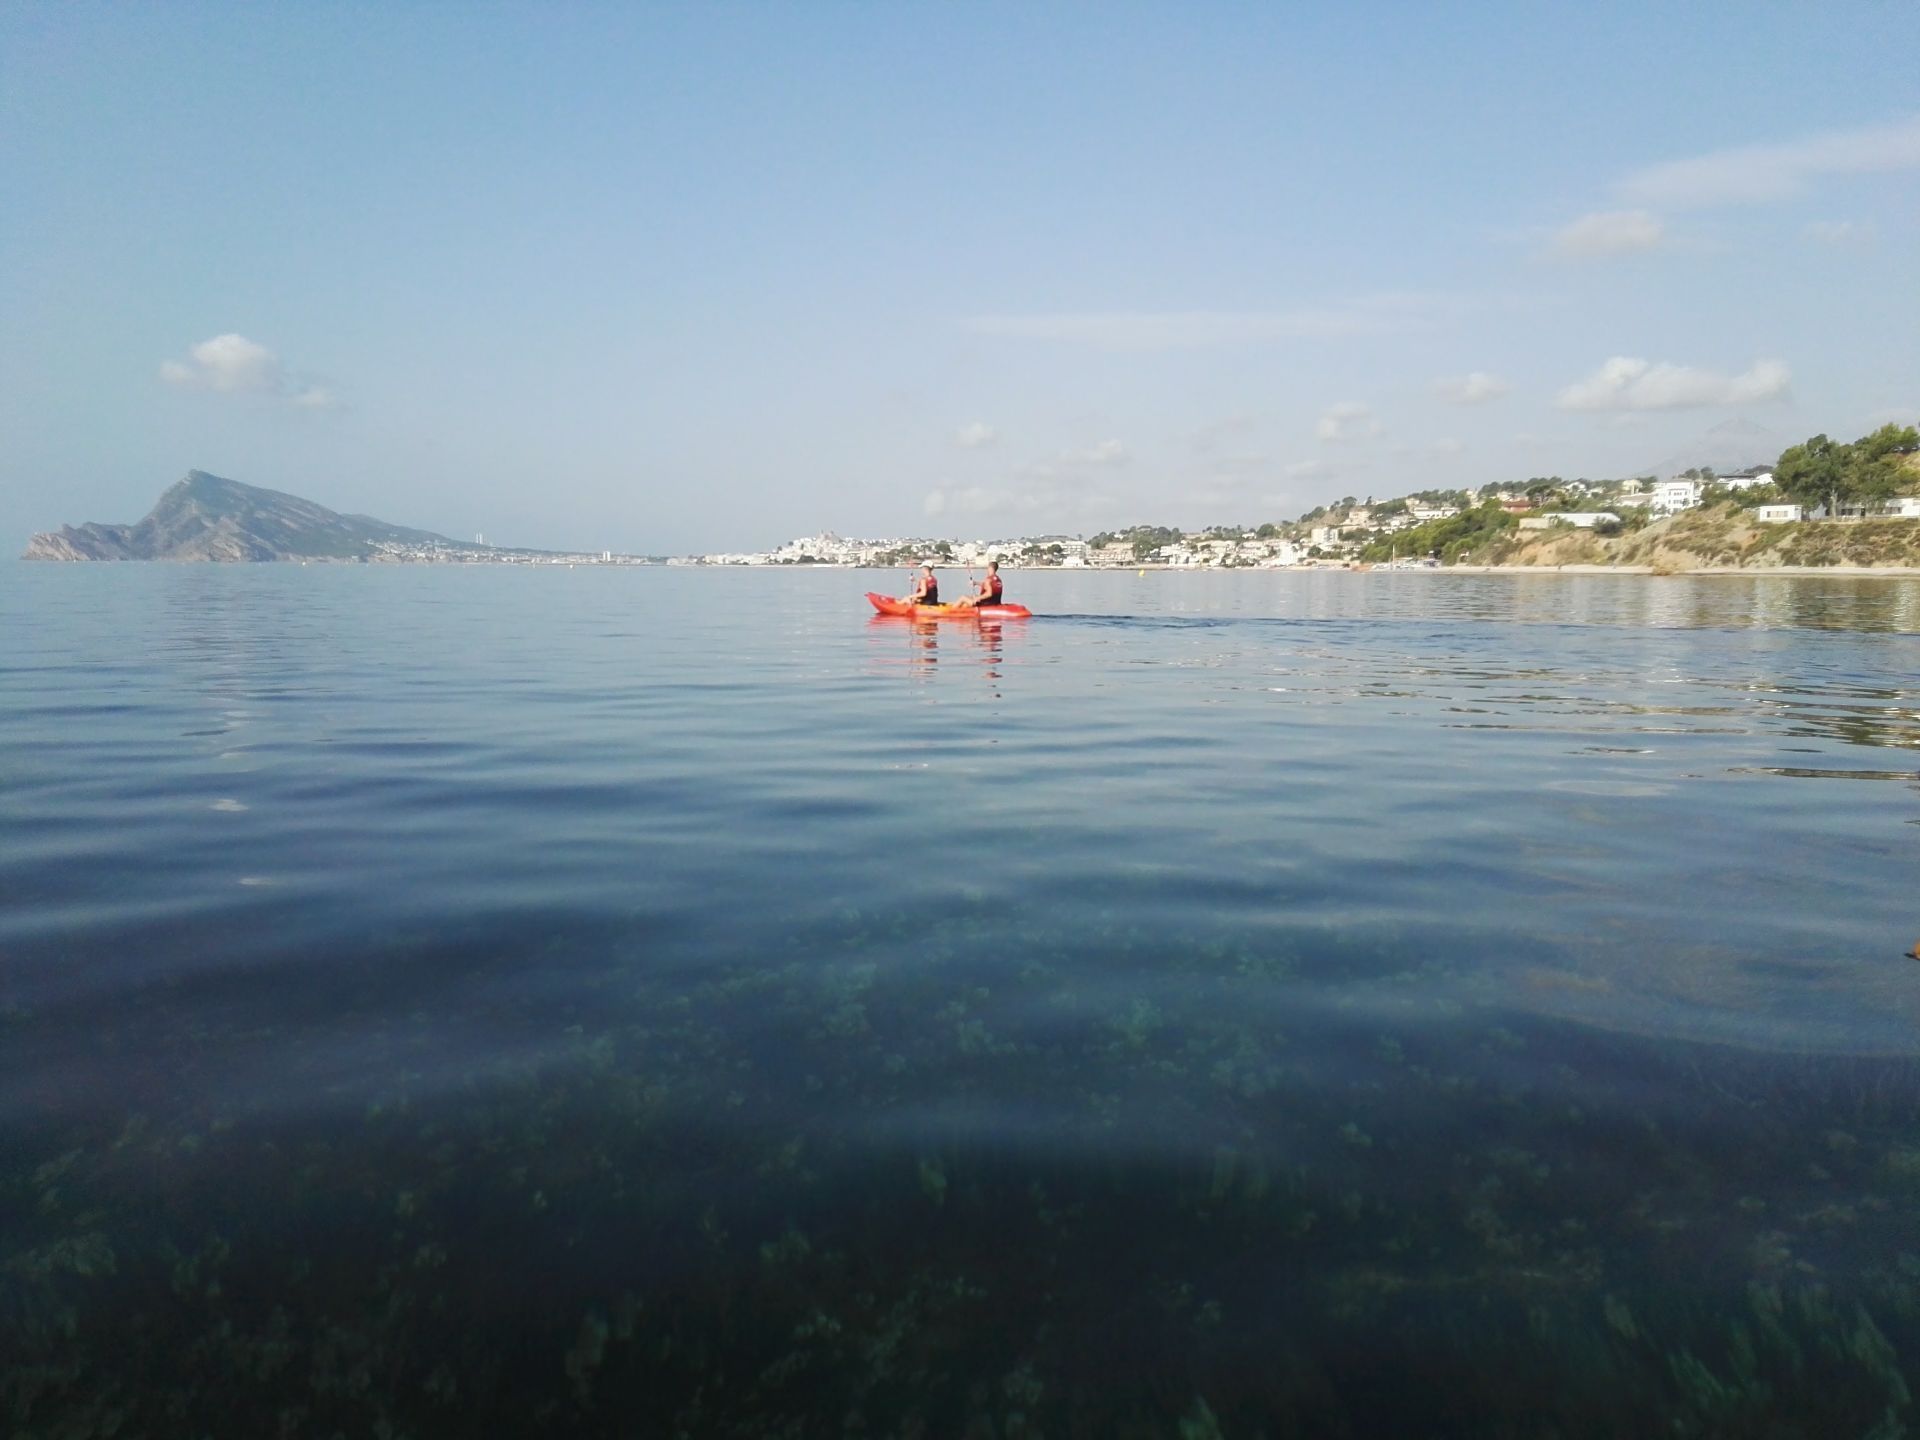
(1719, 539)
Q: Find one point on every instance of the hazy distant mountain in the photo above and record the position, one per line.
(204, 517)
(1730, 445)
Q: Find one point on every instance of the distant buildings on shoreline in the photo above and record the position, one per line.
(1331, 535)
(1061, 551)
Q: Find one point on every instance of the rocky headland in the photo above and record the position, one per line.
(205, 517)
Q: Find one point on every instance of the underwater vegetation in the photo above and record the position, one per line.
(849, 1191)
(1406, 1006)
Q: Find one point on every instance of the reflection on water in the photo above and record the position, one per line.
(1348, 1003)
(983, 642)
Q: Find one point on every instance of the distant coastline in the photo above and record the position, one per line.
(205, 518)
(1711, 531)
(1348, 567)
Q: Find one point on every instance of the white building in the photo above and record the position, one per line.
(1433, 512)
(1670, 497)
(1778, 514)
(824, 547)
(1748, 478)
(1903, 507)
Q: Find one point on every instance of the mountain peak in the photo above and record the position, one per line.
(1730, 445)
(209, 517)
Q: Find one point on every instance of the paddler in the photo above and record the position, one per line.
(926, 588)
(987, 592)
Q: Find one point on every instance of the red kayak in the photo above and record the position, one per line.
(887, 605)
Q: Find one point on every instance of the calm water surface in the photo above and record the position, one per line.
(673, 1002)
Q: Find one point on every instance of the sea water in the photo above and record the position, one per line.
(673, 1001)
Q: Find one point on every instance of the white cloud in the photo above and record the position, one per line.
(1475, 388)
(1056, 490)
(1754, 173)
(1107, 452)
(229, 363)
(1610, 232)
(1447, 446)
(1346, 421)
(1303, 469)
(974, 435)
(232, 364)
(1014, 505)
(1194, 329)
(1070, 465)
(1629, 384)
(1841, 232)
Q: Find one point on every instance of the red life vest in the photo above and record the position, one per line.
(931, 595)
(993, 587)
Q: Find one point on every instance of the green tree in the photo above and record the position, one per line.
(1814, 473)
(1876, 471)
(1149, 538)
(1449, 538)
(1890, 440)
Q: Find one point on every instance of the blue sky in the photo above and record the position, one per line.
(671, 278)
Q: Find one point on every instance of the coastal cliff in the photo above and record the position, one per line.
(205, 517)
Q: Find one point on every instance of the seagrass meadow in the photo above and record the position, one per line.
(674, 1003)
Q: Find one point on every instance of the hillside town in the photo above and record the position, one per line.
(1419, 529)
